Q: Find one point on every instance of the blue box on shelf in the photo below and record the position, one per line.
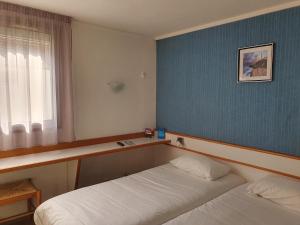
(161, 133)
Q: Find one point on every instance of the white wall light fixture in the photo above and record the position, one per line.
(116, 86)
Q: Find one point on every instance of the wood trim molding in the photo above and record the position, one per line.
(235, 161)
(234, 145)
(66, 145)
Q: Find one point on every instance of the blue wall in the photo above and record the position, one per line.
(198, 94)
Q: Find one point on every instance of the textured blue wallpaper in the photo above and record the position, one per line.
(198, 94)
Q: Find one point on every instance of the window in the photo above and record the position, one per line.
(35, 78)
(27, 84)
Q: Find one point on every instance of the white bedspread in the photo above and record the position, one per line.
(237, 207)
(150, 197)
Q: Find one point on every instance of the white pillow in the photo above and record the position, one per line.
(279, 189)
(201, 166)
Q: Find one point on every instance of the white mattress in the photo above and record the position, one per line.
(237, 207)
(150, 197)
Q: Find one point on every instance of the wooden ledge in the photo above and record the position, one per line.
(74, 144)
(50, 157)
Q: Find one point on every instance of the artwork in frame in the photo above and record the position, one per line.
(255, 63)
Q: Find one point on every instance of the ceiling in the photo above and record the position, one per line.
(151, 17)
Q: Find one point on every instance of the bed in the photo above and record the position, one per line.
(237, 207)
(150, 197)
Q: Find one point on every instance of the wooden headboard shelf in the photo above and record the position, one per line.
(234, 145)
(256, 158)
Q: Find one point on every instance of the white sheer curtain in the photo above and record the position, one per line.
(35, 83)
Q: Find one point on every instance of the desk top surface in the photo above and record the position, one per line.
(56, 156)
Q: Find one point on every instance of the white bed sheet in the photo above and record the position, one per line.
(147, 198)
(237, 207)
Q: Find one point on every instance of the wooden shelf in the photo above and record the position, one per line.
(14, 190)
(18, 191)
(45, 158)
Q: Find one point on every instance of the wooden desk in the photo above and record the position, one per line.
(46, 158)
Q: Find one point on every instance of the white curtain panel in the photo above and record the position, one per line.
(35, 78)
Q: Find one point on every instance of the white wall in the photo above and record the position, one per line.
(101, 55)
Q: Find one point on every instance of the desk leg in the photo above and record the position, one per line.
(77, 173)
(38, 198)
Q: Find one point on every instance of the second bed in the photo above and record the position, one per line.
(238, 207)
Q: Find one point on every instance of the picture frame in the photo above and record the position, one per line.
(255, 63)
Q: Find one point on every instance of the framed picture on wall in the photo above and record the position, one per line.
(255, 63)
